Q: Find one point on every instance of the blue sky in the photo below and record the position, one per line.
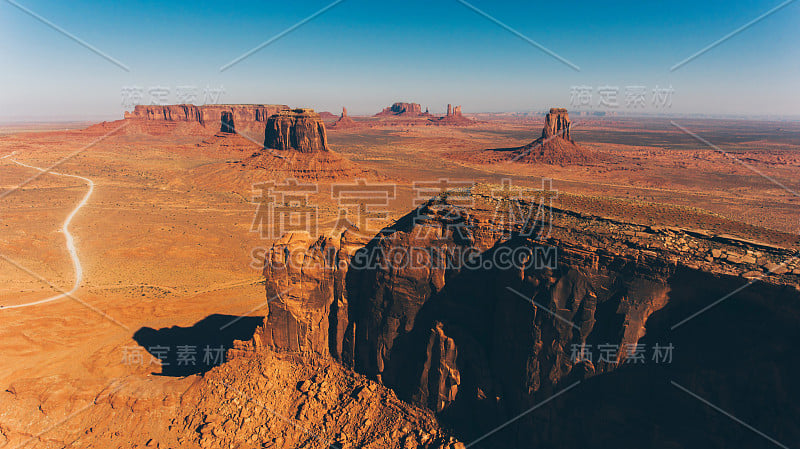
(365, 55)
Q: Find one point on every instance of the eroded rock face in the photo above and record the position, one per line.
(479, 344)
(300, 293)
(176, 112)
(298, 129)
(248, 120)
(556, 123)
(206, 114)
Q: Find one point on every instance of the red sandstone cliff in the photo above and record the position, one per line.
(482, 345)
(245, 119)
(300, 130)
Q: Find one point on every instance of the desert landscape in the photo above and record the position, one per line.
(425, 275)
(176, 251)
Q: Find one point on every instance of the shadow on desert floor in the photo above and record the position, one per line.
(184, 351)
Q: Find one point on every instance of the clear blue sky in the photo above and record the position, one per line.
(368, 54)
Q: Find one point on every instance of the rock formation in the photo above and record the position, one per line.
(555, 146)
(245, 119)
(264, 400)
(300, 130)
(210, 115)
(556, 123)
(295, 146)
(430, 309)
(402, 110)
(344, 121)
(453, 117)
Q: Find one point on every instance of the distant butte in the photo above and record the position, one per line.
(403, 110)
(555, 146)
(295, 147)
(344, 121)
(453, 117)
(281, 142)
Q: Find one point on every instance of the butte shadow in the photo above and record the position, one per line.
(202, 342)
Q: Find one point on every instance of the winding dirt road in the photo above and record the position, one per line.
(73, 252)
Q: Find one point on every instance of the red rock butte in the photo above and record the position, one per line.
(557, 123)
(453, 117)
(344, 121)
(555, 146)
(402, 110)
(297, 129)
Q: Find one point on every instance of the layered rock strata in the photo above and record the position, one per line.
(480, 317)
(300, 130)
(248, 120)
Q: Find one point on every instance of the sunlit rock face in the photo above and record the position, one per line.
(480, 320)
(297, 129)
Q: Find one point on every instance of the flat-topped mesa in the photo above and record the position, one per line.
(210, 114)
(402, 109)
(226, 118)
(557, 123)
(300, 130)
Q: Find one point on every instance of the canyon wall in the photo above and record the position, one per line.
(479, 342)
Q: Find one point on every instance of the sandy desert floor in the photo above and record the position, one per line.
(160, 247)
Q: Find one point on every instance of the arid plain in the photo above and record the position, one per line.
(167, 240)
